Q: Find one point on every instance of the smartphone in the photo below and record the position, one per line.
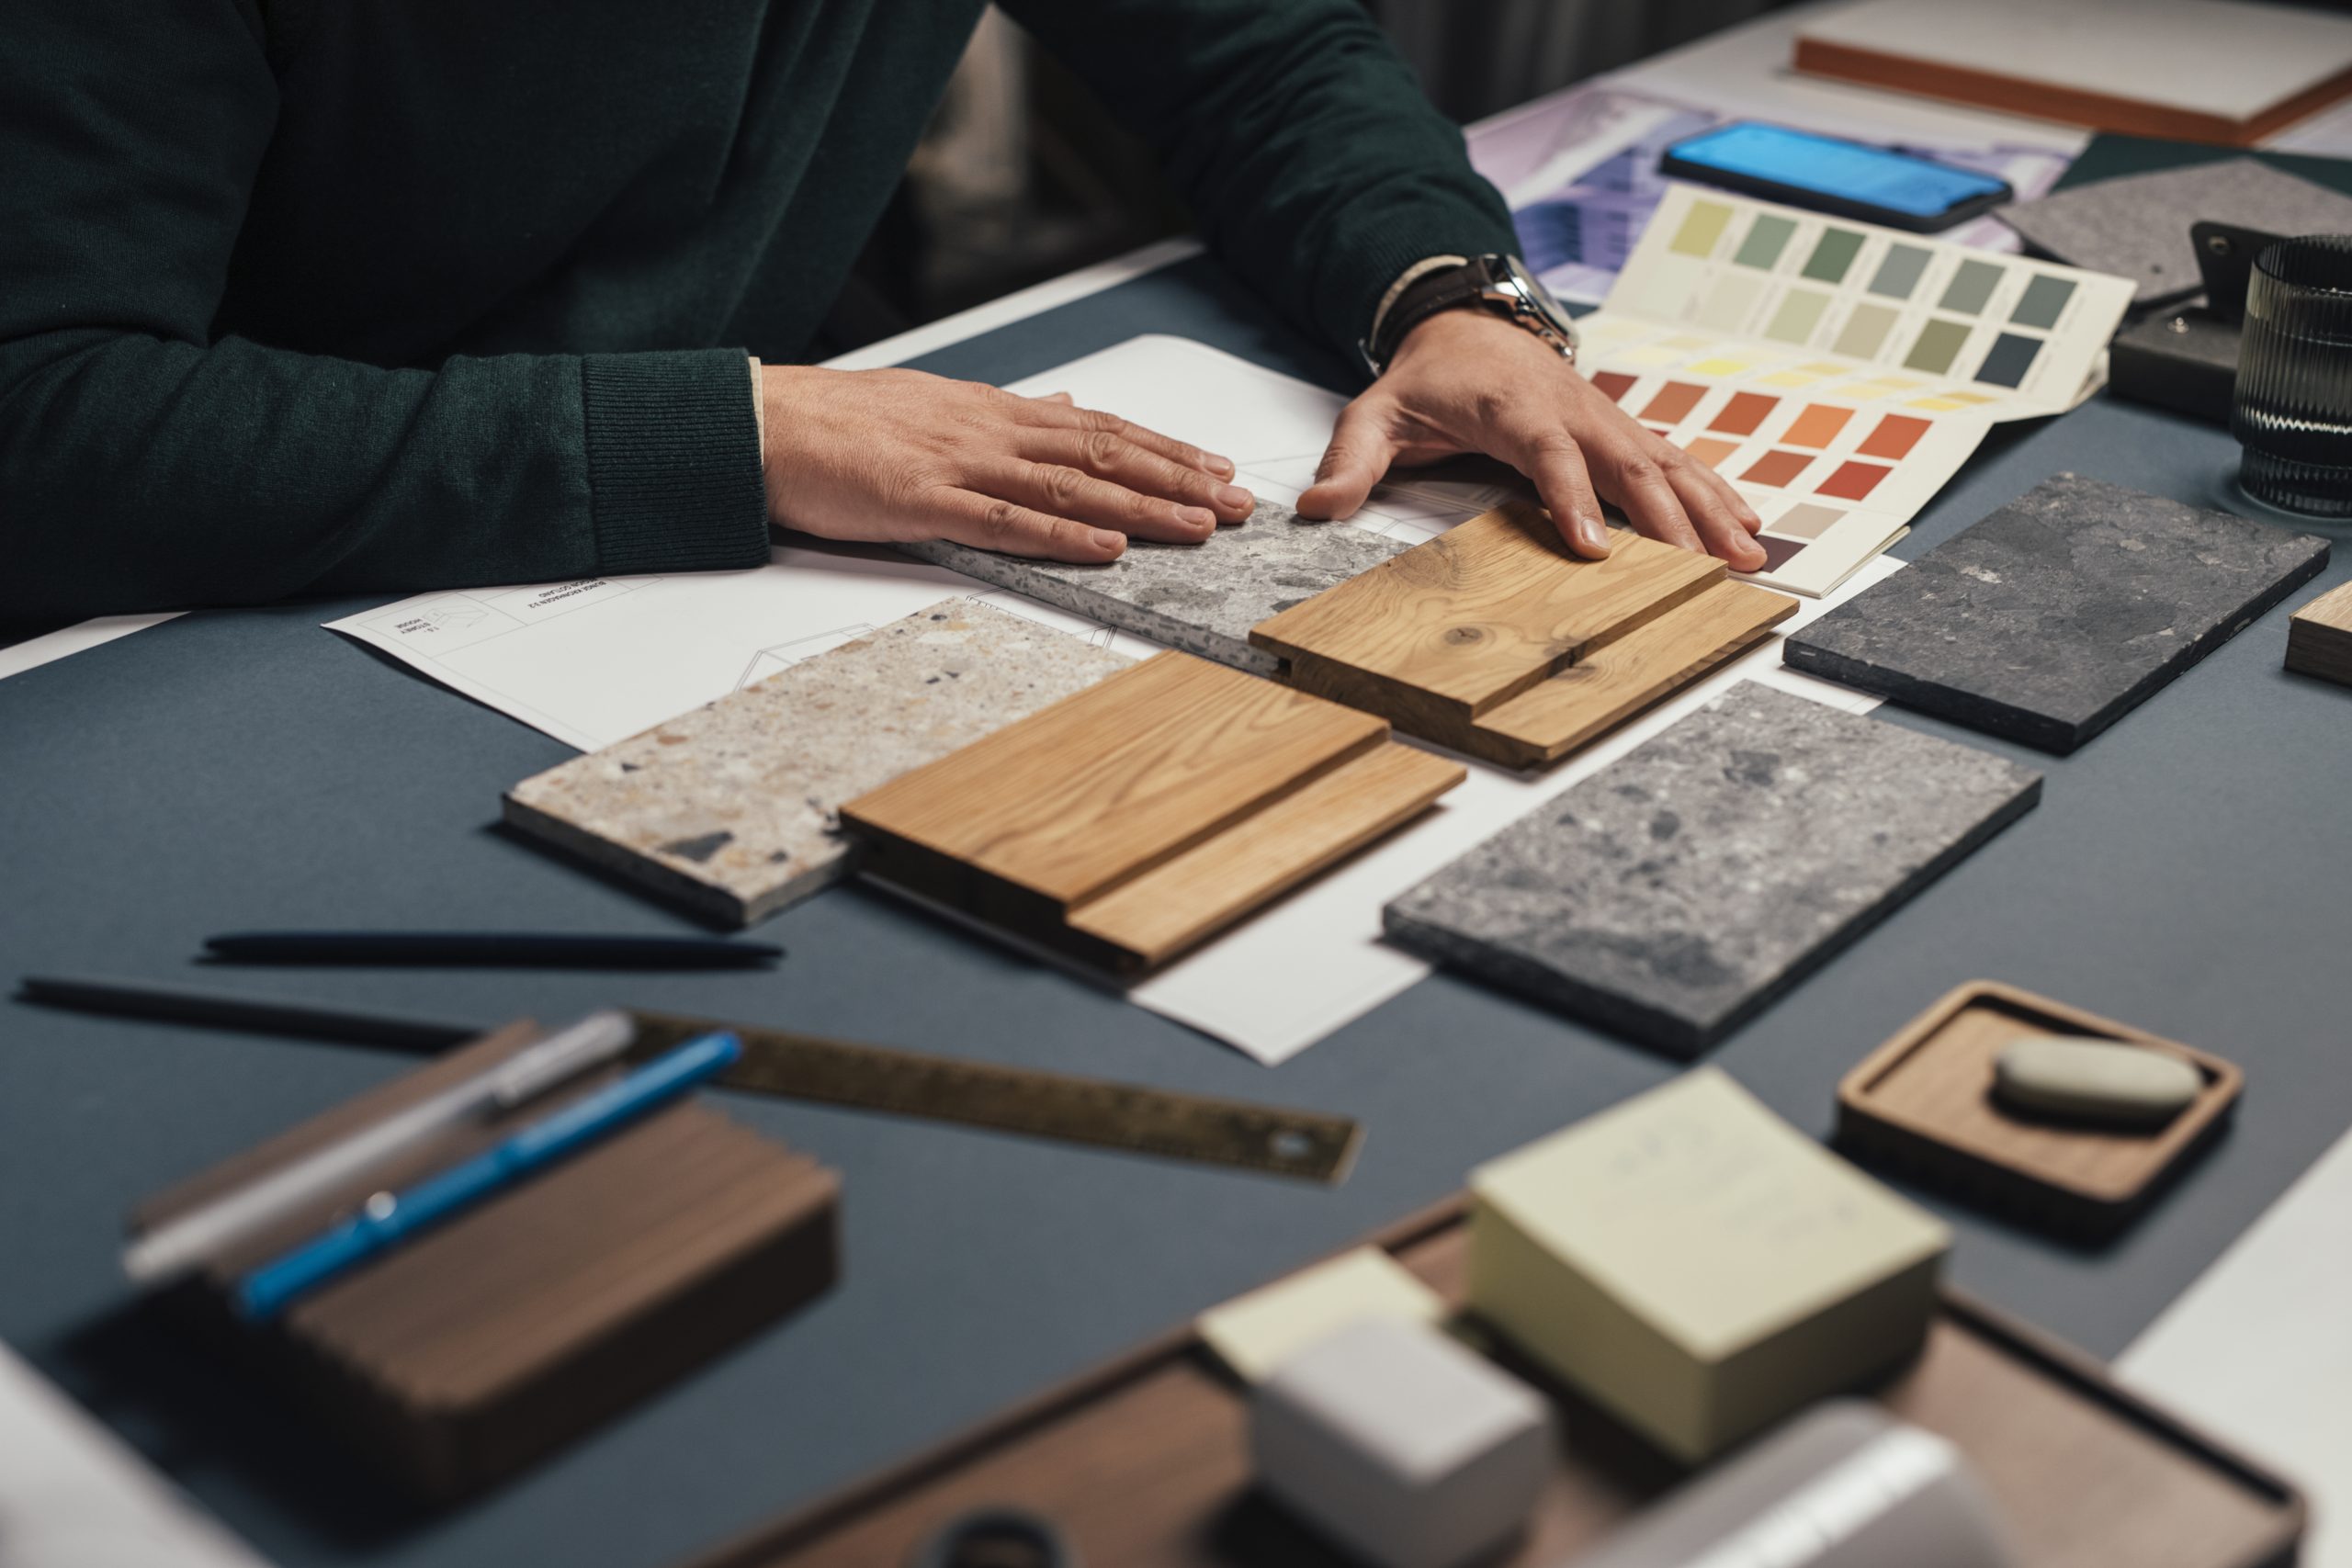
(1851, 179)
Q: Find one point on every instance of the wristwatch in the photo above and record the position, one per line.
(1500, 283)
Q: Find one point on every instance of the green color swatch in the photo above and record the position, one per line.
(1937, 346)
(2045, 296)
(1969, 287)
(1765, 242)
(1832, 255)
(1702, 227)
(1799, 312)
(1864, 330)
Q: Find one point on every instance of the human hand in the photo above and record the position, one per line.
(1467, 380)
(897, 454)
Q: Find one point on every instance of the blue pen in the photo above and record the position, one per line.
(387, 1217)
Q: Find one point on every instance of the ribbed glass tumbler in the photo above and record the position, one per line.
(2293, 414)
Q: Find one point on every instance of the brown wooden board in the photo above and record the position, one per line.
(475, 1348)
(1922, 1104)
(1143, 1462)
(2319, 636)
(1125, 824)
(1494, 639)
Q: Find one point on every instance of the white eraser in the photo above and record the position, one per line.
(1400, 1445)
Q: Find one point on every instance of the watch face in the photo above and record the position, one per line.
(1536, 294)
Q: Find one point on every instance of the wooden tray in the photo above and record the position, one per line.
(1922, 1104)
(477, 1347)
(1143, 1463)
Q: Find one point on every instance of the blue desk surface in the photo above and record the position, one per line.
(2184, 872)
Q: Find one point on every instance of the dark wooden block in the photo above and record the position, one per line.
(478, 1347)
(1144, 1462)
(1922, 1104)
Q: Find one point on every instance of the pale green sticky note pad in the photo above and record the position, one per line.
(1256, 1333)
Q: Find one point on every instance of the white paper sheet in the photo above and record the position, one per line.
(595, 662)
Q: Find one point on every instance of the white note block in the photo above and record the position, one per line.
(1254, 1334)
(1400, 1445)
(1699, 1265)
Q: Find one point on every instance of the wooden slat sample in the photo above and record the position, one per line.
(1189, 898)
(1922, 1104)
(1144, 1462)
(2319, 636)
(478, 1345)
(1483, 611)
(1101, 787)
(1629, 673)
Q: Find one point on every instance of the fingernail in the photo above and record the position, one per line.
(1221, 466)
(1198, 516)
(1234, 495)
(1592, 536)
(1106, 539)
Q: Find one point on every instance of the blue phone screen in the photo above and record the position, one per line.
(1836, 168)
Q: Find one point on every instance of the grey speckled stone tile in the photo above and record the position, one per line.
(733, 810)
(1676, 892)
(2053, 618)
(1200, 598)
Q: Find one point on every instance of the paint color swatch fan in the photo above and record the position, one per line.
(1837, 374)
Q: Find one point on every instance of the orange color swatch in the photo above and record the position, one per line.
(1818, 425)
(1612, 384)
(1712, 452)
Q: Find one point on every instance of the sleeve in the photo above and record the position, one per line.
(1312, 161)
(145, 465)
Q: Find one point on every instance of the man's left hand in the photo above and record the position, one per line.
(1467, 380)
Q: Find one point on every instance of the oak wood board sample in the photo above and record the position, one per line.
(1485, 610)
(1923, 1105)
(476, 1346)
(2319, 636)
(1657, 659)
(1127, 823)
(1143, 1462)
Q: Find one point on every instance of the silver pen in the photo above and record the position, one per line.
(204, 1233)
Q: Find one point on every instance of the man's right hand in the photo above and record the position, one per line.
(896, 455)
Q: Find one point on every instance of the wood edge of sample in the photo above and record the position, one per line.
(1921, 1145)
(2319, 636)
(1321, 626)
(484, 1343)
(1184, 900)
(2053, 101)
(1634, 671)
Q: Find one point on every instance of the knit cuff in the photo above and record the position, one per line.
(673, 463)
(1351, 302)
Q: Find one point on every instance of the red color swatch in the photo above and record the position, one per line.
(1744, 414)
(1894, 437)
(1612, 383)
(1854, 482)
(1777, 467)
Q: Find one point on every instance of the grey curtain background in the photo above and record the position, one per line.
(1476, 57)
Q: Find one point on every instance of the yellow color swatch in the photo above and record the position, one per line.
(1941, 405)
(1789, 378)
(1720, 366)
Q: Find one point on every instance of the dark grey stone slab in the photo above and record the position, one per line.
(2055, 616)
(1200, 598)
(1676, 892)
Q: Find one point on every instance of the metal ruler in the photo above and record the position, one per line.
(1022, 1099)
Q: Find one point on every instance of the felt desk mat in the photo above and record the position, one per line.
(244, 769)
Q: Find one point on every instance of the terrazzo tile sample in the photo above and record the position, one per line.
(732, 809)
(1199, 598)
(1678, 891)
(2053, 618)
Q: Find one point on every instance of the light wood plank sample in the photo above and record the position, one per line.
(2319, 636)
(1485, 610)
(1627, 674)
(1209, 886)
(1128, 822)
(1923, 1105)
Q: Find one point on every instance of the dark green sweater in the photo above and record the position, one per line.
(319, 295)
